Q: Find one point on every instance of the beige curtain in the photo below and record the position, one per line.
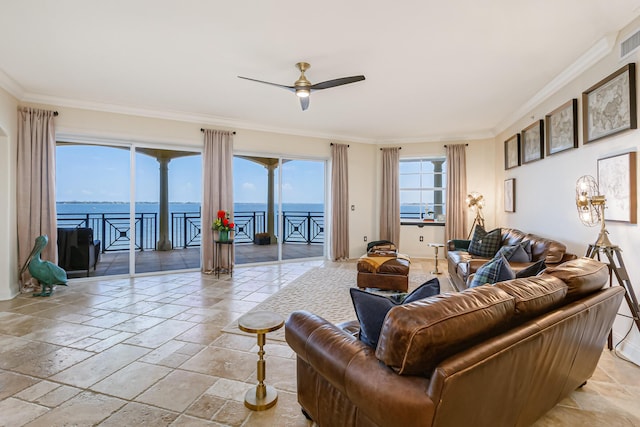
(217, 163)
(456, 218)
(390, 197)
(339, 202)
(36, 183)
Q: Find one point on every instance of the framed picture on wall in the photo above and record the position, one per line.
(609, 106)
(561, 127)
(510, 195)
(533, 142)
(617, 182)
(512, 152)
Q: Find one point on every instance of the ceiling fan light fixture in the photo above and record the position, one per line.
(302, 93)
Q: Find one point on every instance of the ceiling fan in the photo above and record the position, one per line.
(303, 87)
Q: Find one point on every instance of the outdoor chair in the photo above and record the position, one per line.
(77, 250)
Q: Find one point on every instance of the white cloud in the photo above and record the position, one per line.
(249, 186)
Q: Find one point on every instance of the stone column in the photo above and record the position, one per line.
(164, 242)
(270, 202)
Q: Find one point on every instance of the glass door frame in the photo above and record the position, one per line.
(131, 144)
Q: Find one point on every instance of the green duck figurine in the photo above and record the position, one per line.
(45, 272)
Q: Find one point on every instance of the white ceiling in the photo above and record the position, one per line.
(434, 69)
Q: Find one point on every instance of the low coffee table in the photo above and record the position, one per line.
(262, 396)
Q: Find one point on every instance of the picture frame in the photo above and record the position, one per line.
(512, 152)
(617, 182)
(561, 126)
(510, 195)
(609, 106)
(532, 142)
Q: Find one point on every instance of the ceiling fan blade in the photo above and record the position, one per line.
(304, 102)
(336, 82)
(291, 88)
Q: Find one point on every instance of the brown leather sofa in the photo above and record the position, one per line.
(499, 355)
(461, 264)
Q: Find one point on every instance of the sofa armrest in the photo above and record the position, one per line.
(323, 345)
(458, 245)
(351, 367)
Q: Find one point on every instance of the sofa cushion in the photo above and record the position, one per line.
(534, 295)
(542, 248)
(582, 276)
(512, 236)
(416, 337)
(496, 270)
(532, 270)
(371, 309)
(485, 244)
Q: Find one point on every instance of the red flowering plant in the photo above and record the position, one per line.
(222, 222)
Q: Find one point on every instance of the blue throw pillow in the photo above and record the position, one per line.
(533, 270)
(516, 253)
(371, 309)
(507, 252)
(485, 244)
(496, 270)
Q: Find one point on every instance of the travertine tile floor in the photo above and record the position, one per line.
(150, 352)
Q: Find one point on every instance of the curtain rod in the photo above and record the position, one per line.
(202, 130)
(466, 145)
(347, 145)
(399, 148)
(55, 114)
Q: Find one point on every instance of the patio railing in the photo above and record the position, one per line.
(114, 229)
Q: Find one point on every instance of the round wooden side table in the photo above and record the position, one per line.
(436, 246)
(261, 396)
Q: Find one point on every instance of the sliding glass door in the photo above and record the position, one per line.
(302, 218)
(92, 195)
(279, 208)
(160, 231)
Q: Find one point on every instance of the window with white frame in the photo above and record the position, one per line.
(422, 188)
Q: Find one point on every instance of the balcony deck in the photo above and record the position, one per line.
(113, 263)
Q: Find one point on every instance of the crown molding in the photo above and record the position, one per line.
(483, 134)
(11, 86)
(598, 51)
(180, 116)
(208, 120)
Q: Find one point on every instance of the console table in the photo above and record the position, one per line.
(220, 249)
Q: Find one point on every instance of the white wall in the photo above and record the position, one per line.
(8, 245)
(545, 189)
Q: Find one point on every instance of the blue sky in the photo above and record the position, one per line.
(101, 174)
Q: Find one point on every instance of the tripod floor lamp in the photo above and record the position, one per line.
(475, 202)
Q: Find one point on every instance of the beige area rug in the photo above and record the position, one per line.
(323, 291)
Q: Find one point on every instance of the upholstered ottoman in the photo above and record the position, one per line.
(384, 272)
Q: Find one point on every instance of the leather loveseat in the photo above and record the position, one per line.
(461, 264)
(494, 355)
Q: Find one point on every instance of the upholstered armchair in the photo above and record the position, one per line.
(77, 250)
